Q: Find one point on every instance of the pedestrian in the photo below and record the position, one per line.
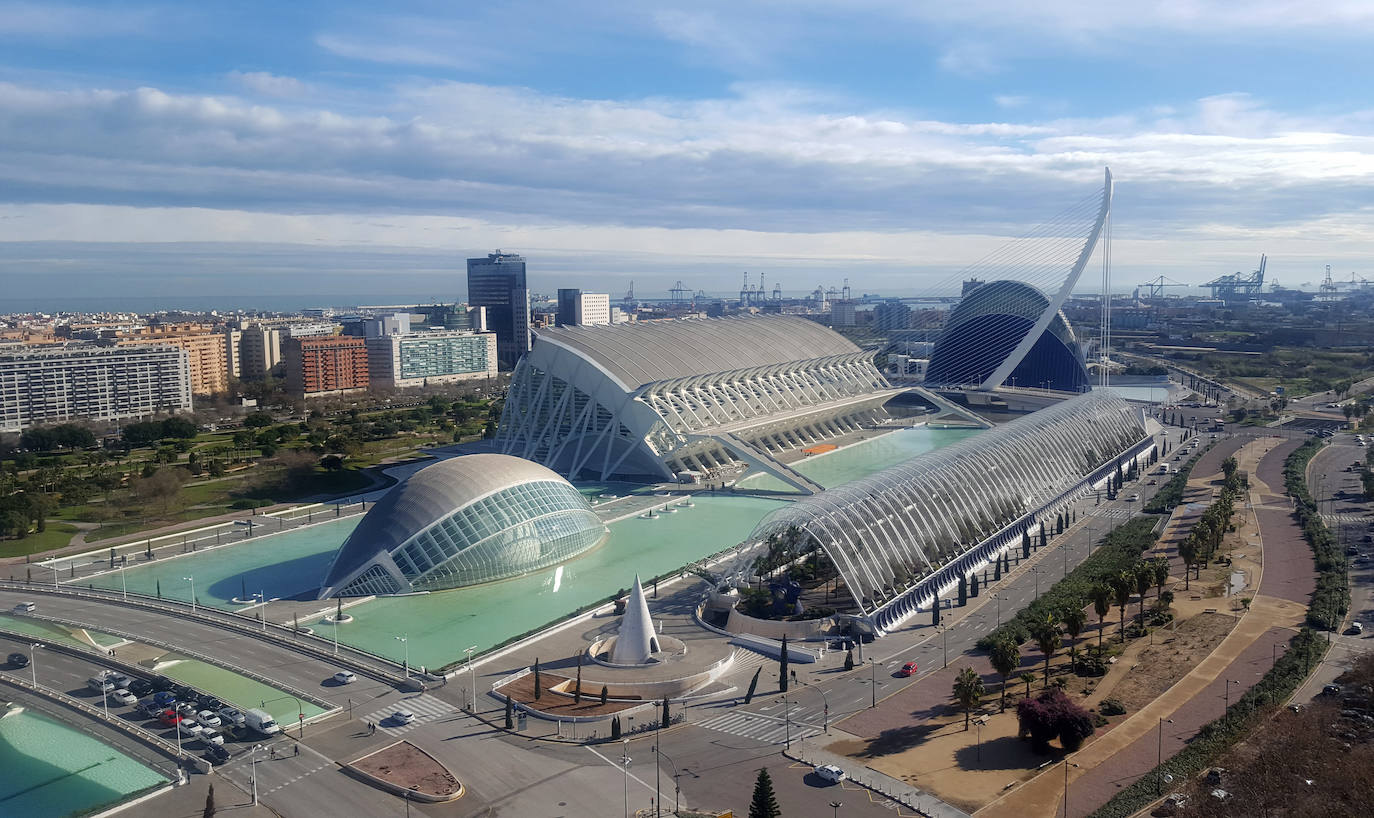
(298, 750)
(273, 748)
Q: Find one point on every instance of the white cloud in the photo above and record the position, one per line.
(969, 59)
(267, 84)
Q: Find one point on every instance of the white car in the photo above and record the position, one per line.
(189, 727)
(210, 735)
(345, 677)
(121, 696)
(208, 718)
(25, 607)
(403, 717)
(231, 715)
(831, 773)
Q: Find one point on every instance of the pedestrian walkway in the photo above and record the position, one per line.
(425, 707)
(763, 727)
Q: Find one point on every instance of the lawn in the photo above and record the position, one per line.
(56, 536)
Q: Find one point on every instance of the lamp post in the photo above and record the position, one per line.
(873, 682)
(472, 678)
(33, 660)
(1229, 682)
(944, 642)
(625, 762)
(1067, 764)
(406, 642)
(835, 808)
(825, 701)
(677, 788)
(997, 599)
(786, 723)
(253, 760)
(1159, 759)
(1034, 570)
(192, 580)
(53, 566)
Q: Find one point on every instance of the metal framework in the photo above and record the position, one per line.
(664, 397)
(890, 532)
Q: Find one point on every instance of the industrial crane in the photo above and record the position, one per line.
(1155, 287)
(1239, 286)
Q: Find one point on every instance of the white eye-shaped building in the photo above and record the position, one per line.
(464, 521)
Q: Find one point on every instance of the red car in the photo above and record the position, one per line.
(908, 669)
(169, 718)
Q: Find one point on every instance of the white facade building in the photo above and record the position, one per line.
(425, 358)
(78, 382)
(593, 309)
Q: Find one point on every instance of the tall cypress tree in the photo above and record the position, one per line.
(537, 685)
(510, 713)
(753, 685)
(782, 666)
(765, 803)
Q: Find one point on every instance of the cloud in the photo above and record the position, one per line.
(267, 84)
(1011, 101)
(969, 59)
(62, 21)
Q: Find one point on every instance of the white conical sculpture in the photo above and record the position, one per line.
(636, 641)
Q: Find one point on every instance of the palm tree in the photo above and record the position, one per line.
(968, 691)
(1161, 568)
(1121, 591)
(1074, 618)
(1187, 550)
(1047, 639)
(1028, 678)
(1144, 578)
(1102, 605)
(1005, 658)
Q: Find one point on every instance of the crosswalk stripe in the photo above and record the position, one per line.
(760, 727)
(425, 707)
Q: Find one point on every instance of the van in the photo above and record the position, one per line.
(100, 684)
(261, 721)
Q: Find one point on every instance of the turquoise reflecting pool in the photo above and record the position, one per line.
(52, 770)
(1153, 394)
(439, 626)
(865, 457)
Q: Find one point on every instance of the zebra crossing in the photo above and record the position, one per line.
(1347, 518)
(761, 727)
(424, 706)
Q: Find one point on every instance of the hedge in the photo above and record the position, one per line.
(1120, 551)
(1331, 600)
(1171, 493)
(1305, 651)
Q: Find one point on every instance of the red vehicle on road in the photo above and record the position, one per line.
(169, 718)
(908, 669)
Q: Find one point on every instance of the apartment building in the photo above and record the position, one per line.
(83, 382)
(319, 365)
(402, 360)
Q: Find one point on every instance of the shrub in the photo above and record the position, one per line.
(1053, 715)
(1112, 707)
(1087, 665)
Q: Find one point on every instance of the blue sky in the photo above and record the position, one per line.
(292, 148)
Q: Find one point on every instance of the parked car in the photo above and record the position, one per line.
(209, 718)
(231, 716)
(166, 698)
(1331, 690)
(100, 684)
(118, 679)
(17, 660)
(1356, 628)
(209, 736)
(147, 708)
(169, 718)
(187, 709)
(402, 717)
(140, 687)
(345, 677)
(25, 607)
(830, 773)
(908, 669)
(121, 696)
(216, 754)
(189, 727)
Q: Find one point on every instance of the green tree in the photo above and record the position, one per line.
(1102, 605)
(968, 691)
(1161, 569)
(782, 666)
(615, 728)
(1028, 678)
(605, 694)
(1005, 658)
(764, 803)
(1144, 578)
(1122, 585)
(1074, 619)
(510, 713)
(849, 659)
(753, 685)
(537, 684)
(1188, 551)
(1048, 639)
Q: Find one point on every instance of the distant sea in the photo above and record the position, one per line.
(224, 303)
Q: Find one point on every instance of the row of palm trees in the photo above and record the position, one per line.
(1202, 542)
(1005, 655)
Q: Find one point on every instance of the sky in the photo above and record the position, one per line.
(337, 150)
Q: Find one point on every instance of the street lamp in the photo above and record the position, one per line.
(53, 566)
(677, 788)
(825, 700)
(404, 641)
(1067, 765)
(192, 580)
(1159, 760)
(253, 761)
(873, 682)
(944, 640)
(471, 677)
(835, 808)
(33, 660)
(1037, 571)
(786, 723)
(1229, 682)
(625, 760)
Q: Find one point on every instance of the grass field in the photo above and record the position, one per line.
(57, 535)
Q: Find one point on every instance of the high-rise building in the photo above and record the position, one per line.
(259, 351)
(426, 358)
(498, 283)
(58, 384)
(891, 315)
(579, 309)
(205, 350)
(843, 314)
(233, 351)
(319, 365)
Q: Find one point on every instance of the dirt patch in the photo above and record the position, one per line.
(1174, 654)
(409, 767)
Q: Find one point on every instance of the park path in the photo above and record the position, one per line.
(1161, 728)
